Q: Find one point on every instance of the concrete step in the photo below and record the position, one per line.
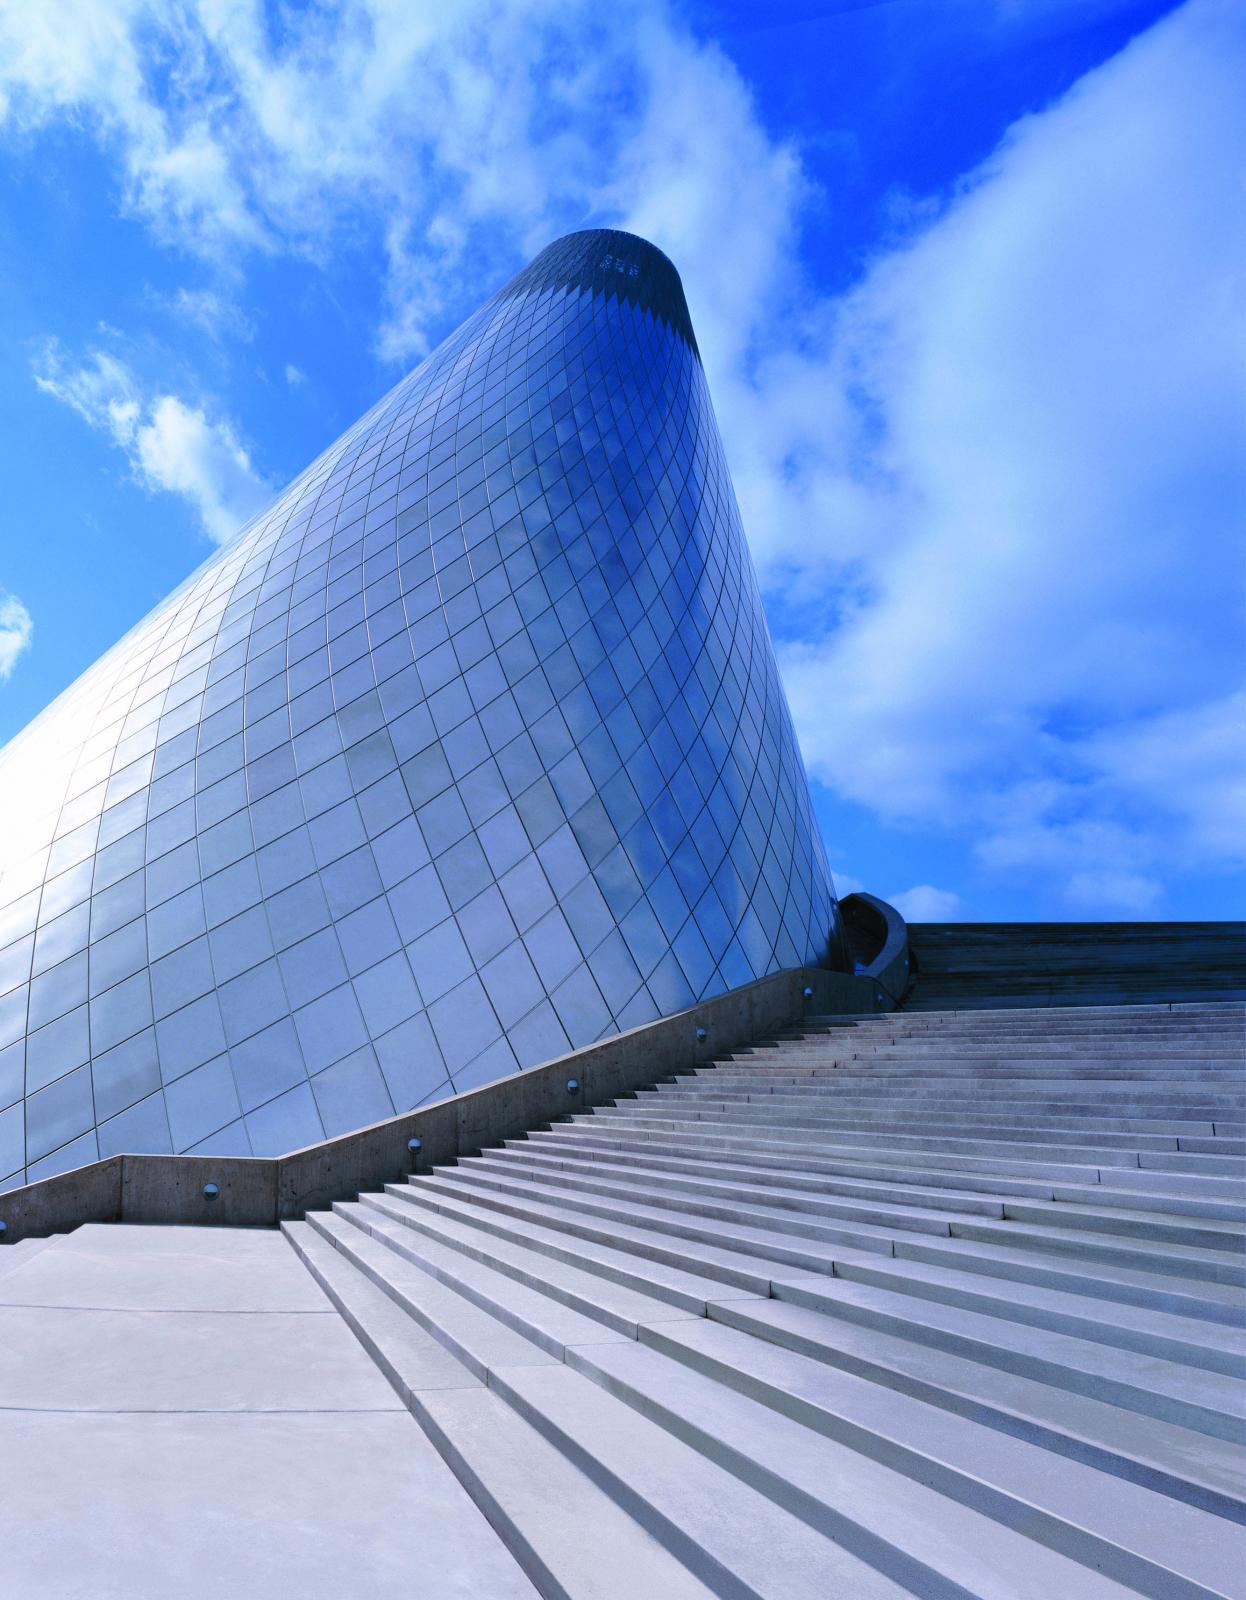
(686, 1278)
(1222, 1055)
(1135, 1016)
(469, 1330)
(826, 1111)
(1130, 1275)
(535, 1497)
(1109, 1115)
(17, 1255)
(1162, 1191)
(964, 1075)
(1200, 1233)
(1185, 1341)
(1233, 1008)
(716, 1526)
(1193, 1467)
(1223, 1272)
(1194, 1185)
(548, 1305)
(406, 1352)
(1024, 1291)
(677, 1169)
(891, 1032)
(780, 1208)
(740, 1078)
(961, 1316)
(814, 1074)
(634, 1241)
(901, 1025)
(794, 1187)
(735, 1079)
(733, 1534)
(1153, 1386)
(1125, 1530)
(1099, 1153)
(938, 1543)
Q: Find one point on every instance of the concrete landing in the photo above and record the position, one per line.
(184, 1413)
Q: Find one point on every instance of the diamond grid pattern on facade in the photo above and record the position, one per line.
(470, 750)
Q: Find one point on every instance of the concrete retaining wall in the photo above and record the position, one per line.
(254, 1191)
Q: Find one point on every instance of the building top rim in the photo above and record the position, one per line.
(611, 262)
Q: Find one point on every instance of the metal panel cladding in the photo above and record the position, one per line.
(469, 750)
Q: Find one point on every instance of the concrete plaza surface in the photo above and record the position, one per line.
(183, 1412)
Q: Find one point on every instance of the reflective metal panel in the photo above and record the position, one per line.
(469, 750)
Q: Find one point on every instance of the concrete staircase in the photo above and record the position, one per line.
(942, 1304)
(967, 965)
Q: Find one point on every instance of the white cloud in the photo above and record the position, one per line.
(925, 903)
(1032, 635)
(992, 489)
(170, 444)
(16, 629)
(294, 375)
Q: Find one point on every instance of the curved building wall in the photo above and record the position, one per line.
(469, 750)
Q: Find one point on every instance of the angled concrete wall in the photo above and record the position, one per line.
(259, 1192)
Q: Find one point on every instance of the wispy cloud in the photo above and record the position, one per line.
(213, 312)
(16, 629)
(171, 445)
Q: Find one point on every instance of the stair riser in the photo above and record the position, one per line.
(782, 1251)
(508, 1221)
(512, 1535)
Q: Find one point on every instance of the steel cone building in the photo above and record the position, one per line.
(471, 749)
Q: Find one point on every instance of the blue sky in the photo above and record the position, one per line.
(966, 274)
